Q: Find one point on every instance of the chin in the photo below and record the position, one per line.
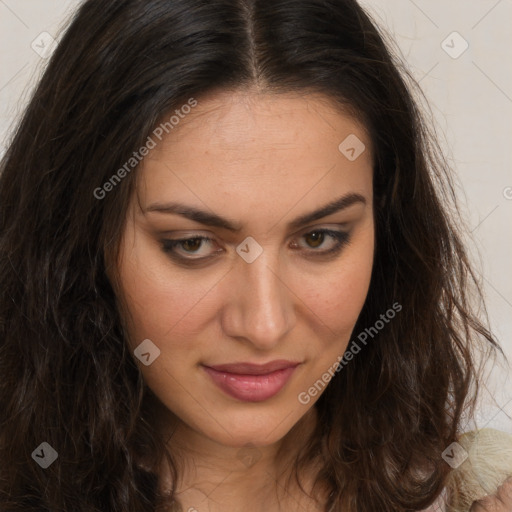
(240, 428)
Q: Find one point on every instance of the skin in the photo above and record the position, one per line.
(501, 501)
(261, 161)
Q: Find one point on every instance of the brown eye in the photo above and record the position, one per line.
(317, 237)
(320, 238)
(195, 250)
(192, 249)
(193, 244)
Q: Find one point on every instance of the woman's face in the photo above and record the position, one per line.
(246, 172)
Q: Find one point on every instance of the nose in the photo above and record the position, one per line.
(260, 308)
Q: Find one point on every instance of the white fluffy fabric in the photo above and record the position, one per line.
(488, 465)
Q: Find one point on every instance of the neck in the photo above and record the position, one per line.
(215, 477)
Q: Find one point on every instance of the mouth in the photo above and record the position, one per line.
(250, 382)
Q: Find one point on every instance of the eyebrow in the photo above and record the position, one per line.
(211, 219)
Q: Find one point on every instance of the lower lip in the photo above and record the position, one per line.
(251, 388)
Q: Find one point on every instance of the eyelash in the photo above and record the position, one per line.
(341, 237)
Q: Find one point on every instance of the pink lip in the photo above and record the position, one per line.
(251, 382)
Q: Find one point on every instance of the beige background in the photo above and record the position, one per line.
(470, 93)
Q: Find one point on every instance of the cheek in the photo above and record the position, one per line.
(173, 306)
(160, 301)
(337, 296)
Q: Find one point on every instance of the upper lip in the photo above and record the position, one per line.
(254, 369)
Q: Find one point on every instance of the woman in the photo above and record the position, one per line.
(229, 276)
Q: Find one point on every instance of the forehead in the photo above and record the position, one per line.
(239, 148)
(243, 121)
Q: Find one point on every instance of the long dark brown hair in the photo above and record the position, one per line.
(66, 375)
